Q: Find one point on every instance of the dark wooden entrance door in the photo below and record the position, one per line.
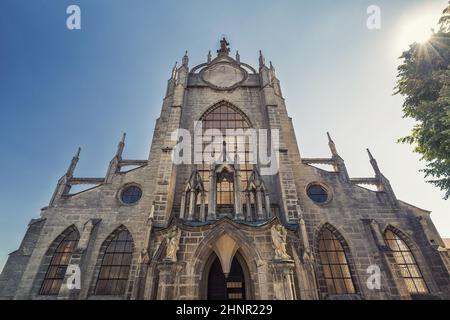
(221, 288)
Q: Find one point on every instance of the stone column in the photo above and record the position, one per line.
(283, 279)
(183, 205)
(192, 204)
(168, 286)
(237, 194)
(268, 208)
(249, 207)
(212, 194)
(202, 207)
(259, 208)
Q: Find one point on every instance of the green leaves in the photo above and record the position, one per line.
(424, 79)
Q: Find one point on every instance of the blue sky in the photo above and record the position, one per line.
(61, 89)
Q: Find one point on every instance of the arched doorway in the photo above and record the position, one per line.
(221, 287)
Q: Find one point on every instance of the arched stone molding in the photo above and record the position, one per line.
(251, 257)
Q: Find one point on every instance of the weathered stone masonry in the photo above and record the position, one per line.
(270, 239)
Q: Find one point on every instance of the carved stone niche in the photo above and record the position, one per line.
(223, 75)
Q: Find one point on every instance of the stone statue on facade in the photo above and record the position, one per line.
(224, 47)
(173, 240)
(279, 234)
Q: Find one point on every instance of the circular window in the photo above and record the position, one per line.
(317, 193)
(131, 194)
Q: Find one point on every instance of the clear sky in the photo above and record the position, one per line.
(61, 89)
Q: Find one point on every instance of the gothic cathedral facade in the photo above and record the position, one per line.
(156, 229)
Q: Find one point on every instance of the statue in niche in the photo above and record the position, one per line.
(143, 256)
(173, 240)
(279, 234)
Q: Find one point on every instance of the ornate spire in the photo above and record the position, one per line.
(174, 70)
(224, 50)
(121, 146)
(238, 57)
(185, 61)
(272, 71)
(209, 56)
(332, 145)
(262, 60)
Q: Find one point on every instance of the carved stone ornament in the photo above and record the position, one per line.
(223, 75)
(279, 234)
(173, 241)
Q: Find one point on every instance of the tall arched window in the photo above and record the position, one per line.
(222, 117)
(406, 262)
(56, 271)
(334, 262)
(115, 267)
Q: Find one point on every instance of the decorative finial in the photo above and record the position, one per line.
(121, 146)
(332, 145)
(185, 59)
(77, 155)
(209, 56)
(73, 163)
(262, 61)
(174, 70)
(223, 47)
(238, 57)
(374, 163)
(370, 154)
(329, 138)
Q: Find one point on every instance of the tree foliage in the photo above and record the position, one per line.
(424, 79)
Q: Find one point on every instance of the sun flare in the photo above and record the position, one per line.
(417, 27)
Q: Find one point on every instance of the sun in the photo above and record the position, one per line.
(417, 26)
(419, 29)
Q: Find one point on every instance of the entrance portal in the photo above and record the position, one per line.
(226, 288)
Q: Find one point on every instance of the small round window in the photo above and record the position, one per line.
(131, 194)
(317, 193)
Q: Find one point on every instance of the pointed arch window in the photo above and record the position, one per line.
(406, 262)
(257, 203)
(334, 262)
(115, 266)
(56, 271)
(222, 117)
(225, 190)
(193, 204)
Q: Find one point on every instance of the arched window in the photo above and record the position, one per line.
(406, 262)
(223, 117)
(58, 265)
(115, 267)
(225, 190)
(334, 262)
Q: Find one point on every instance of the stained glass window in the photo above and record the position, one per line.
(317, 193)
(131, 194)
